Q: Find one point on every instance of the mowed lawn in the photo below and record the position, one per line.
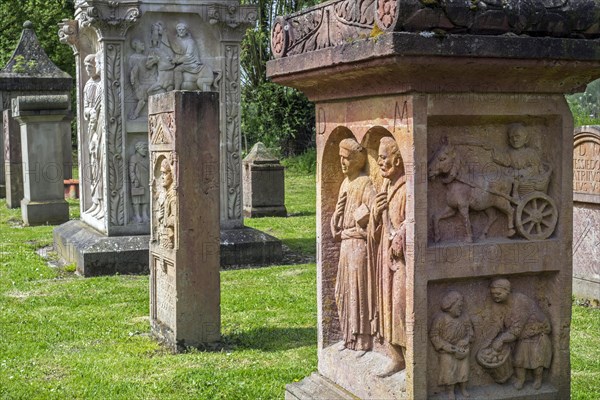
(65, 337)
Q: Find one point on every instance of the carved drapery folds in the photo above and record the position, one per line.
(335, 23)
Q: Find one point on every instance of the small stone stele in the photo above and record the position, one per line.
(44, 121)
(264, 186)
(183, 130)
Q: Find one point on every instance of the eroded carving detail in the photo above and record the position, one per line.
(334, 23)
(162, 128)
(108, 18)
(519, 190)
(114, 133)
(142, 76)
(232, 132)
(165, 209)
(523, 342)
(139, 177)
(451, 333)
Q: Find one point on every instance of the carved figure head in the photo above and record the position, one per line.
(141, 147)
(452, 303)
(138, 46)
(166, 174)
(389, 159)
(500, 289)
(90, 65)
(182, 29)
(443, 160)
(518, 135)
(352, 157)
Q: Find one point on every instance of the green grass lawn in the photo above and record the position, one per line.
(65, 337)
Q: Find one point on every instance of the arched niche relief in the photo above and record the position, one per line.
(164, 200)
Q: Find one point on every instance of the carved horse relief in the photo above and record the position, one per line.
(531, 211)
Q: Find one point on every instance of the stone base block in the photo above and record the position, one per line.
(586, 289)
(96, 254)
(44, 213)
(259, 212)
(316, 387)
(358, 374)
(249, 246)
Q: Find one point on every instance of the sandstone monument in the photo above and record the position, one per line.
(126, 51)
(184, 247)
(444, 187)
(586, 212)
(28, 72)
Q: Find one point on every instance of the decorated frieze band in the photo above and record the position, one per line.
(336, 22)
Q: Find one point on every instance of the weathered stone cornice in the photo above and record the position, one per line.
(339, 21)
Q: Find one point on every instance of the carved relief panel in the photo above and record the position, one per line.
(497, 332)
(492, 180)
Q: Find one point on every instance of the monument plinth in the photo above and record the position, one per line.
(444, 181)
(184, 247)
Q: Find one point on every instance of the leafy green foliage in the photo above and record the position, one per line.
(45, 16)
(586, 106)
(277, 116)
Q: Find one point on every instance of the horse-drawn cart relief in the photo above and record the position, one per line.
(478, 176)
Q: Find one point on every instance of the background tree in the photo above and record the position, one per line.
(45, 15)
(586, 106)
(278, 116)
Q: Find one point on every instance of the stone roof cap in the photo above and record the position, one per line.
(29, 68)
(337, 22)
(259, 154)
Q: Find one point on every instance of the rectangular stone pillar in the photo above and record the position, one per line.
(183, 130)
(444, 194)
(13, 164)
(43, 120)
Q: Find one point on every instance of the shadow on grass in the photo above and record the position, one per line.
(271, 339)
(302, 214)
(305, 247)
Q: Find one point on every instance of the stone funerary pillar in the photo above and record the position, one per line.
(126, 51)
(444, 184)
(184, 249)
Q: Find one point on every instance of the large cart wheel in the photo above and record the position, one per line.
(536, 216)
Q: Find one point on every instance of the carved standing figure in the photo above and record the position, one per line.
(93, 114)
(451, 333)
(387, 236)
(526, 326)
(354, 286)
(141, 76)
(166, 207)
(139, 177)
